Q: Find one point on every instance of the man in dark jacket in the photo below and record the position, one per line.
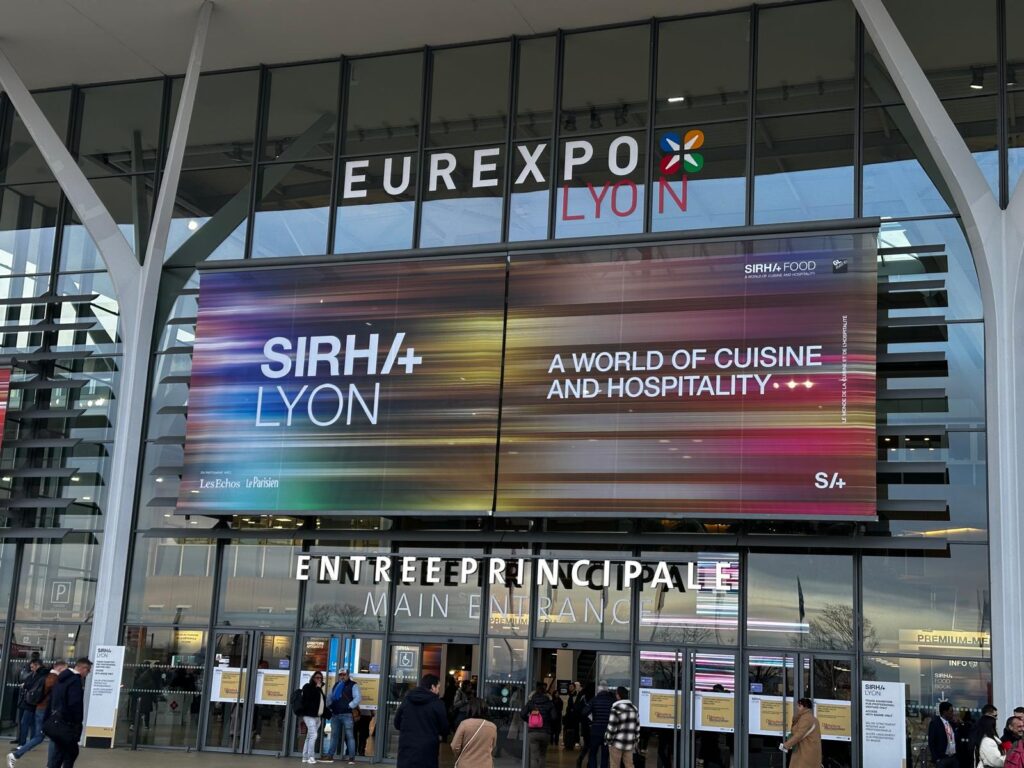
(421, 722)
(570, 721)
(67, 702)
(30, 694)
(941, 738)
(538, 714)
(599, 709)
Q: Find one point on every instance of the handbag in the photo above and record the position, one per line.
(466, 745)
(59, 729)
(356, 714)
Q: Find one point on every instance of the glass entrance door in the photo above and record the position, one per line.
(248, 693)
(329, 654)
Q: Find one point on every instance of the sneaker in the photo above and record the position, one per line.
(351, 762)
(11, 759)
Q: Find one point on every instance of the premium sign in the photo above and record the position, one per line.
(714, 381)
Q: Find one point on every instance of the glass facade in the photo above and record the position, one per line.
(789, 118)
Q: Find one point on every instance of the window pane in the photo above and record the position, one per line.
(120, 128)
(535, 97)
(805, 57)
(171, 581)
(258, 585)
(376, 204)
(22, 161)
(713, 195)
(803, 168)
(605, 79)
(351, 606)
(1014, 44)
(382, 111)
(899, 177)
(454, 211)
(800, 601)
(58, 579)
(292, 210)
(589, 612)
(210, 215)
(435, 609)
(605, 195)
(1015, 136)
(934, 603)
(955, 49)
(702, 616)
(223, 124)
(129, 199)
(469, 95)
(703, 69)
(7, 549)
(976, 119)
(28, 219)
(878, 85)
(531, 192)
(303, 112)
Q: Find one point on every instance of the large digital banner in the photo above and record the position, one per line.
(361, 388)
(717, 380)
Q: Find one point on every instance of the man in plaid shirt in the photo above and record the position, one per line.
(623, 730)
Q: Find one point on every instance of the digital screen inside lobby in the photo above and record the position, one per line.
(713, 380)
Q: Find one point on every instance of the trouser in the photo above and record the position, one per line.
(342, 725)
(312, 728)
(598, 751)
(570, 735)
(538, 741)
(26, 724)
(64, 754)
(584, 744)
(37, 738)
(619, 757)
(950, 761)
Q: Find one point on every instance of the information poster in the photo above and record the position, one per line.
(369, 690)
(769, 715)
(883, 724)
(104, 695)
(660, 708)
(714, 712)
(834, 717)
(227, 685)
(272, 687)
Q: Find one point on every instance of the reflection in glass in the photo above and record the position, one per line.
(899, 177)
(1015, 135)
(701, 616)
(258, 585)
(382, 108)
(713, 195)
(171, 581)
(469, 95)
(703, 69)
(531, 196)
(505, 690)
(803, 168)
(805, 57)
(21, 159)
(303, 112)
(376, 204)
(605, 79)
(931, 604)
(592, 612)
(223, 123)
(350, 606)
(462, 198)
(803, 601)
(58, 580)
(600, 189)
(162, 684)
(535, 95)
(292, 210)
(209, 216)
(120, 129)
(28, 218)
(434, 609)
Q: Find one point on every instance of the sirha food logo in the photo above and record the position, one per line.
(681, 153)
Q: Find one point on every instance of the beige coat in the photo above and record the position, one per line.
(475, 751)
(805, 742)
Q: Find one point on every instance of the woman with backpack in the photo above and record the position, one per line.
(988, 752)
(312, 708)
(537, 715)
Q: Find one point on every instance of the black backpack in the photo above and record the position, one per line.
(295, 701)
(35, 692)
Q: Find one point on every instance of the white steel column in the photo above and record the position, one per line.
(137, 287)
(997, 243)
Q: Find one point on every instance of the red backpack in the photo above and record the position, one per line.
(1015, 757)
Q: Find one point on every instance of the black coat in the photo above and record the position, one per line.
(599, 709)
(542, 703)
(68, 698)
(311, 697)
(937, 739)
(421, 722)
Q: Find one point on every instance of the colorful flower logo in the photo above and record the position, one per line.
(680, 152)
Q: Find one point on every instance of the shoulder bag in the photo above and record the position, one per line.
(466, 745)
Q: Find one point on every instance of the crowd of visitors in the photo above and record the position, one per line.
(957, 741)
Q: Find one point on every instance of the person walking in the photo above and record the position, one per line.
(344, 699)
(475, 737)
(570, 721)
(538, 713)
(556, 715)
(41, 697)
(988, 752)
(29, 694)
(942, 737)
(599, 709)
(312, 710)
(623, 730)
(583, 698)
(805, 738)
(67, 714)
(421, 722)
